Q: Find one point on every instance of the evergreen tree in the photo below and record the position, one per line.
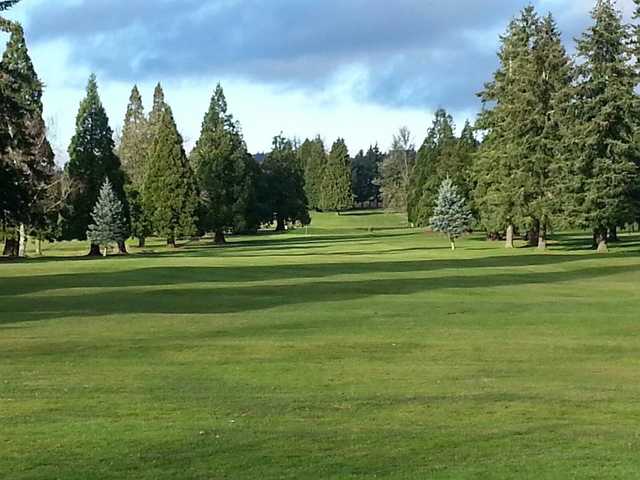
(220, 160)
(365, 169)
(336, 183)
(552, 85)
(133, 151)
(451, 215)
(501, 170)
(31, 155)
(284, 185)
(442, 155)
(108, 219)
(157, 110)
(313, 157)
(396, 170)
(599, 169)
(91, 159)
(134, 144)
(169, 193)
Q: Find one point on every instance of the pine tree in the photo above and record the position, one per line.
(396, 170)
(31, 155)
(283, 189)
(133, 151)
(220, 160)
(313, 157)
(91, 159)
(108, 219)
(336, 183)
(169, 193)
(451, 215)
(599, 169)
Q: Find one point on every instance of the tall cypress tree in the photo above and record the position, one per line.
(32, 156)
(284, 185)
(336, 183)
(134, 152)
(169, 192)
(313, 157)
(91, 159)
(220, 161)
(599, 168)
(396, 170)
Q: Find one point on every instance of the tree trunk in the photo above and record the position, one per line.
(280, 226)
(533, 236)
(613, 234)
(509, 242)
(219, 239)
(141, 242)
(171, 242)
(94, 251)
(39, 246)
(453, 243)
(542, 238)
(10, 247)
(22, 245)
(601, 239)
(105, 251)
(122, 247)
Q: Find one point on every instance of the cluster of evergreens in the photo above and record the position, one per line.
(559, 148)
(560, 145)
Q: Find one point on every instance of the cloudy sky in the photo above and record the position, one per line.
(353, 68)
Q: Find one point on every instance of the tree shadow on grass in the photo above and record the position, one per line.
(239, 274)
(237, 298)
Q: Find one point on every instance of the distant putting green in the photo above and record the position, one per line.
(357, 349)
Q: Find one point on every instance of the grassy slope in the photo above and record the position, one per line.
(337, 355)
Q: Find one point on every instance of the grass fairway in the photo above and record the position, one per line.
(341, 354)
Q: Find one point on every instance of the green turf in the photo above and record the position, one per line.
(342, 353)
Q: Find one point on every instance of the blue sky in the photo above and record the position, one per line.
(353, 68)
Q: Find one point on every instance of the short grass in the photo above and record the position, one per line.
(358, 350)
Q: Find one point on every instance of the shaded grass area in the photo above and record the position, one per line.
(342, 354)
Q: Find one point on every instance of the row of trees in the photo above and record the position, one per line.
(560, 137)
(561, 146)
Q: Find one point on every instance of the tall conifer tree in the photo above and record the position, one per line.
(91, 159)
(599, 171)
(33, 156)
(169, 192)
(220, 161)
(501, 168)
(313, 157)
(134, 152)
(336, 183)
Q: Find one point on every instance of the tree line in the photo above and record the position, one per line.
(554, 146)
